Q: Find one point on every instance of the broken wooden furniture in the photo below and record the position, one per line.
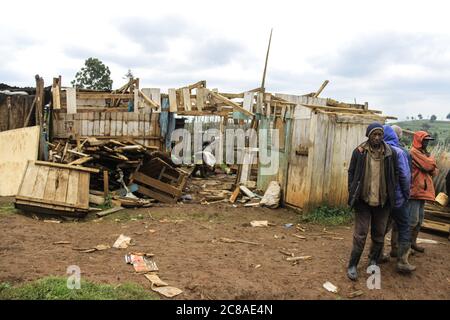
(55, 188)
(159, 180)
(437, 218)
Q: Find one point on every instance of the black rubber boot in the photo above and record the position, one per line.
(352, 272)
(414, 235)
(394, 242)
(375, 253)
(403, 266)
(384, 257)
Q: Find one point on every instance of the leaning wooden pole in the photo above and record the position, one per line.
(265, 64)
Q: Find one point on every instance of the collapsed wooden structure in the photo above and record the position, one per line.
(316, 135)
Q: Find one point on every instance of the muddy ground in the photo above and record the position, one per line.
(190, 255)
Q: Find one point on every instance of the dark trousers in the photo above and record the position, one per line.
(400, 216)
(365, 216)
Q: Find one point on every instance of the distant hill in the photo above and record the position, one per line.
(441, 129)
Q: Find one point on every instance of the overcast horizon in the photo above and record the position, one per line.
(394, 55)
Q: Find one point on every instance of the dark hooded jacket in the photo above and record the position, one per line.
(403, 183)
(356, 174)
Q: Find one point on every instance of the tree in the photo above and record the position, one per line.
(94, 75)
(420, 116)
(433, 118)
(448, 116)
(129, 75)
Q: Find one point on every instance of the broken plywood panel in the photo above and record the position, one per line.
(16, 148)
(54, 189)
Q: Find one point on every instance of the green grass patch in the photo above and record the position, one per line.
(331, 216)
(55, 288)
(7, 208)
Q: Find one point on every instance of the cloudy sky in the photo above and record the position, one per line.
(393, 54)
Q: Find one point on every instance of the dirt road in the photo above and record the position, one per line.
(186, 241)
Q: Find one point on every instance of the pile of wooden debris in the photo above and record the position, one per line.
(437, 215)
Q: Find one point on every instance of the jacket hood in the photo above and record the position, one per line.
(390, 137)
(418, 138)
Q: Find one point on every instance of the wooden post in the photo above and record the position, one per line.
(39, 98)
(366, 106)
(324, 84)
(105, 183)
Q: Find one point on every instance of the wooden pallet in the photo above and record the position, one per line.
(436, 226)
(54, 188)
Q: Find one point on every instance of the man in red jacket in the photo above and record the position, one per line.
(423, 169)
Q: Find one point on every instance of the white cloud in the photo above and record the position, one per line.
(394, 54)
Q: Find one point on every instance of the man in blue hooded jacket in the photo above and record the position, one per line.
(399, 212)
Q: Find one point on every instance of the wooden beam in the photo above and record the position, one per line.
(265, 65)
(105, 183)
(235, 106)
(148, 100)
(352, 110)
(324, 84)
(56, 95)
(66, 166)
(164, 187)
(198, 84)
(103, 95)
(187, 99)
(173, 106)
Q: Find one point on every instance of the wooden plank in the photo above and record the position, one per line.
(72, 187)
(107, 131)
(248, 101)
(187, 99)
(109, 211)
(84, 124)
(147, 132)
(71, 99)
(96, 131)
(147, 100)
(113, 123)
(50, 186)
(230, 103)
(41, 181)
(133, 125)
(105, 183)
(141, 124)
(49, 202)
(83, 190)
(156, 195)
(125, 129)
(156, 97)
(173, 100)
(90, 124)
(56, 94)
(61, 188)
(16, 148)
(47, 208)
(102, 95)
(201, 95)
(65, 166)
(434, 225)
(28, 180)
(119, 124)
(146, 180)
(102, 124)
